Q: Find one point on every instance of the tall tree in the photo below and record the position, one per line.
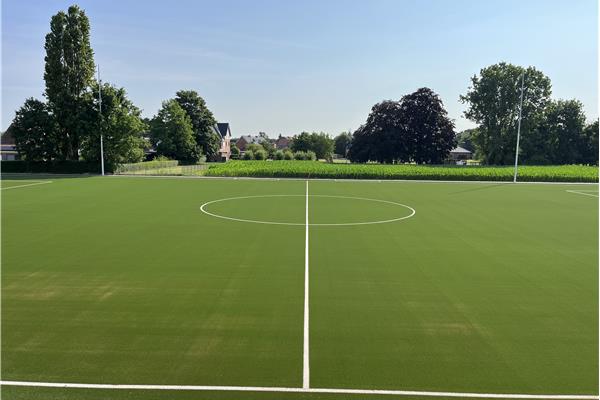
(493, 103)
(172, 134)
(341, 143)
(69, 72)
(120, 124)
(202, 120)
(319, 143)
(426, 125)
(35, 131)
(589, 144)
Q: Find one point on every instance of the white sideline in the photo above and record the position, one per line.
(298, 390)
(29, 184)
(585, 194)
(306, 365)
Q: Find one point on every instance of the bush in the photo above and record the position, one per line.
(52, 167)
(311, 155)
(235, 152)
(288, 155)
(260, 155)
(248, 155)
(315, 169)
(278, 155)
(300, 156)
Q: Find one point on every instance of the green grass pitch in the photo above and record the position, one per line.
(488, 288)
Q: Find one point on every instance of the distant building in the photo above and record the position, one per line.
(8, 147)
(283, 142)
(224, 132)
(245, 140)
(460, 154)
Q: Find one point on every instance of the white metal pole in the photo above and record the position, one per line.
(100, 112)
(519, 128)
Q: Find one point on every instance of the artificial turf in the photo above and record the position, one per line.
(487, 288)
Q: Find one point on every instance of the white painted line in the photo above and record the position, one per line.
(205, 211)
(306, 357)
(583, 192)
(298, 390)
(30, 184)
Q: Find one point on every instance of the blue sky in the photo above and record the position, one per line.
(285, 67)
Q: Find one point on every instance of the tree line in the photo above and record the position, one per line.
(78, 109)
(416, 128)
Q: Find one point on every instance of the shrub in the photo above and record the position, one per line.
(311, 155)
(278, 155)
(300, 156)
(288, 155)
(260, 155)
(248, 155)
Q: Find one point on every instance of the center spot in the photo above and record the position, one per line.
(324, 210)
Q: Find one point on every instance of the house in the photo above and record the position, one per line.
(459, 155)
(8, 147)
(224, 132)
(283, 142)
(245, 140)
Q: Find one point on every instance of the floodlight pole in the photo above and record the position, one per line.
(100, 113)
(519, 128)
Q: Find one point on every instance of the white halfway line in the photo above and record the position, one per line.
(29, 184)
(583, 192)
(298, 390)
(306, 358)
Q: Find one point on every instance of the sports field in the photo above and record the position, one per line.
(290, 289)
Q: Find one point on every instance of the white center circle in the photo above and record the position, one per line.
(204, 206)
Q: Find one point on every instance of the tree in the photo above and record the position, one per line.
(426, 124)
(69, 73)
(35, 131)
(382, 138)
(235, 152)
(254, 147)
(248, 155)
(341, 143)
(172, 133)
(267, 144)
(493, 103)
(202, 121)
(320, 143)
(119, 123)
(589, 144)
(466, 139)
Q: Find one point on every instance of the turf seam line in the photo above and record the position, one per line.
(582, 192)
(305, 356)
(298, 390)
(29, 184)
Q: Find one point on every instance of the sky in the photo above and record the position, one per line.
(283, 67)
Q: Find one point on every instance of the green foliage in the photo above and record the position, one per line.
(202, 121)
(416, 128)
(235, 152)
(589, 144)
(465, 139)
(69, 72)
(293, 169)
(254, 147)
(288, 155)
(248, 155)
(493, 103)
(341, 143)
(35, 131)
(278, 155)
(172, 134)
(300, 155)
(261, 155)
(120, 124)
(320, 143)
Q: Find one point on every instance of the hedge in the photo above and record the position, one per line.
(53, 167)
